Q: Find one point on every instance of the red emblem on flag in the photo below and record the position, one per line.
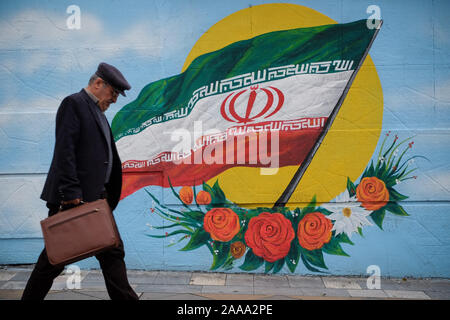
(245, 116)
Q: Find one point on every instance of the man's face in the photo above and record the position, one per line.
(106, 95)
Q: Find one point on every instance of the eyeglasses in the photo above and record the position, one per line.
(115, 91)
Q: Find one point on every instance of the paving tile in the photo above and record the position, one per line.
(168, 278)
(390, 284)
(66, 275)
(438, 295)
(93, 285)
(225, 296)
(6, 275)
(305, 282)
(14, 285)
(161, 288)
(362, 282)
(270, 281)
(10, 294)
(239, 280)
(367, 293)
(440, 285)
(325, 292)
(58, 286)
(186, 296)
(208, 279)
(67, 281)
(416, 284)
(98, 285)
(404, 294)
(228, 289)
(103, 295)
(340, 283)
(185, 274)
(279, 297)
(385, 284)
(412, 284)
(328, 298)
(25, 268)
(21, 276)
(96, 276)
(69, 295)
(142, 277)
(278, 291)
(155, 296)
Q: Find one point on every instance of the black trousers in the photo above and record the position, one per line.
(111, 262)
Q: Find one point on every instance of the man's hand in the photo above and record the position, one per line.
(74, 201)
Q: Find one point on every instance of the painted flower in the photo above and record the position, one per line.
(270, 235)
(348, 215)
(203, 197)
(222, 224)
(314, 230)
(372, 193)
(237, 249)
(186, 195)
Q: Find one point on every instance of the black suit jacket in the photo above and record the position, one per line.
(80, 157)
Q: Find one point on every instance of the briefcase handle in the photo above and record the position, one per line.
(70, 205)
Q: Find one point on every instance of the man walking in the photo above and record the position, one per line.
(85, 167)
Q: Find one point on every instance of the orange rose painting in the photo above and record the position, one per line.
(273, 238)
(314, 230)
(203, 197)
(372, 193)
(186, 195)
(270, 236)
(238, 249)
(222, 224)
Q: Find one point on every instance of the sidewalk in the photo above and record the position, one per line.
(174, 285)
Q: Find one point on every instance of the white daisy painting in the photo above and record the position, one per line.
(347, 213)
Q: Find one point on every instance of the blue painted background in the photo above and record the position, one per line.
(42, 61)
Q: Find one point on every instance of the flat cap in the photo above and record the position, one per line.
(113, 76)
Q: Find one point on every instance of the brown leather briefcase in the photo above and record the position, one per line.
(80, 232)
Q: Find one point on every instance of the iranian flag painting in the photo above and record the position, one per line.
(281, 90)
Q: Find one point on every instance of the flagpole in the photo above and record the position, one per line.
(287, 193)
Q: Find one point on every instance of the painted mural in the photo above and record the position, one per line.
(298, 137)
(263, 102)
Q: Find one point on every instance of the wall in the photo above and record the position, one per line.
(399, 97)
